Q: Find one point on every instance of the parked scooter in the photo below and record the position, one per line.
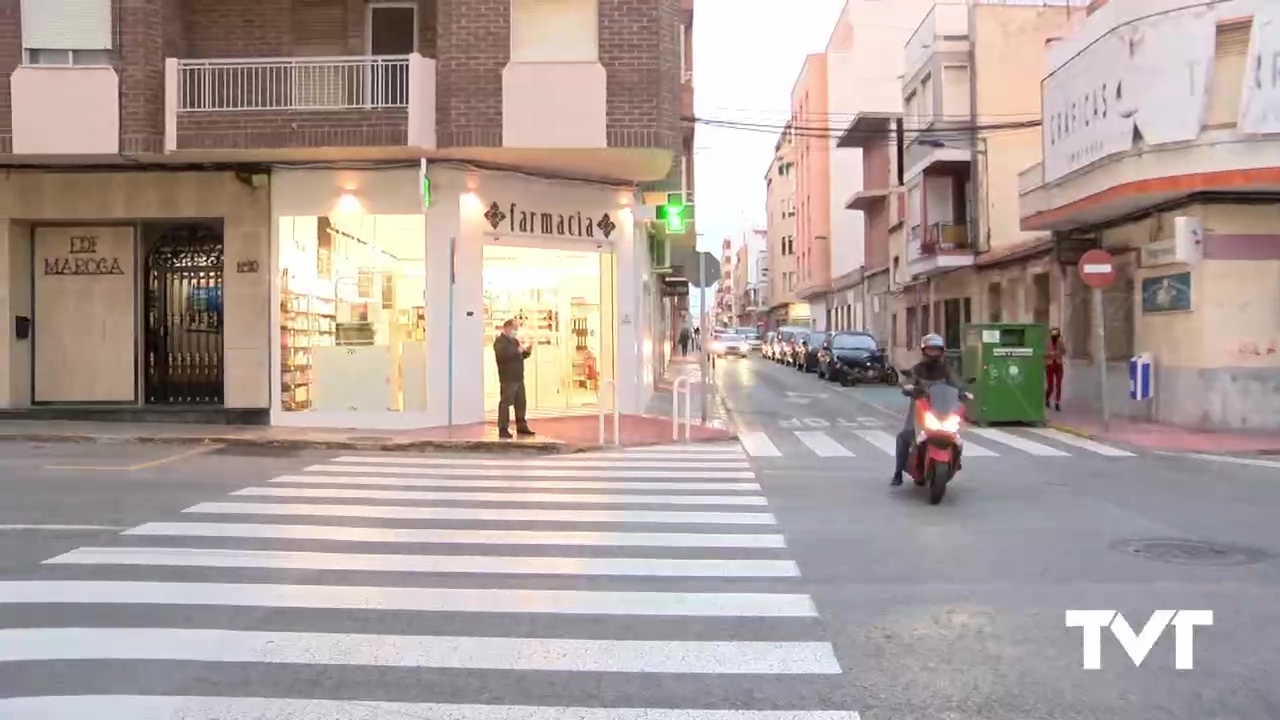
(937, 448)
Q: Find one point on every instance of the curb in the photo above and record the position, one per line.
(489, 446)
(1073, 431)
(496, 447)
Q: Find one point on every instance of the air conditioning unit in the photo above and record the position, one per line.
(688, 76)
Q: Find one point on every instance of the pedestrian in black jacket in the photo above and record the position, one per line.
(510, 355)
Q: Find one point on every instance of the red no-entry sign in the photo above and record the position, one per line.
(1098, 269)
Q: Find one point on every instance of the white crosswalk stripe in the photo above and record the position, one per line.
(822, 445)
(849, 441)
(592, 567)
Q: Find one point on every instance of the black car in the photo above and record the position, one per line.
(806, 354)
(853, 357)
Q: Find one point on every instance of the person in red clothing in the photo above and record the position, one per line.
(1054, 355)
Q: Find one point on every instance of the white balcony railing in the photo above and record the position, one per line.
(332, 83)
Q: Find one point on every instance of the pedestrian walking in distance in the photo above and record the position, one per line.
(1054, 356)
(684, 341)
(510, 354)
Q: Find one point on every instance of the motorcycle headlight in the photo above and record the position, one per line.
(950, 423)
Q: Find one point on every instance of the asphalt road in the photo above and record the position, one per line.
(143, 583)
(958, 611)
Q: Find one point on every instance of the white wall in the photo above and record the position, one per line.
(866, 79)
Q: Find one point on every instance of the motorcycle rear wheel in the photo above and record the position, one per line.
(938, 480)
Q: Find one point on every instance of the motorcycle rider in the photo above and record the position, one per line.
(930, 369)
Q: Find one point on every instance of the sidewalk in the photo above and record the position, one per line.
(660, 404)
(1169, 438)
(555, 435)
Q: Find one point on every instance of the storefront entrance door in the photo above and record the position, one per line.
(183, 315)
(563, 304)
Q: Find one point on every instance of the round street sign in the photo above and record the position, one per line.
(1097, 269)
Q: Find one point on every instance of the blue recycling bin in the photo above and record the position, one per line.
(1142, 377)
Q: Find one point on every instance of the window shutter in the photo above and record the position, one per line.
(66, 24)
(1230, 56)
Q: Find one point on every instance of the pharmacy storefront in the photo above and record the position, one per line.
(387, 313)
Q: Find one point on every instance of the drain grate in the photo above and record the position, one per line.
(1178, 551)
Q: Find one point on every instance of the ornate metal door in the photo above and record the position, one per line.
(184, 317)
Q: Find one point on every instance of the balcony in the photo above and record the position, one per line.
(943, 151)
(66, 110)
(941, 247)
(554, 105)
(286, 104)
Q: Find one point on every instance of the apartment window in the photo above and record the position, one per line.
(955, 92)
(66, 32)
(926, 97)
(554, 31)
(912, 107)
(78, 58)
(893, 330)
(685, 75)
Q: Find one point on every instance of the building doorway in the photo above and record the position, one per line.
(563, 300)
(182, 314)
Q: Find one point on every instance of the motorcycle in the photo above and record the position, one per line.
(937, 448)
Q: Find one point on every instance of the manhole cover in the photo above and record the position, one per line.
(1190, 552)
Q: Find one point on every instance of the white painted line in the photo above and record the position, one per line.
(335, 533)
(972, 450)
(344, 597)
(480, 653)
(1252, 462)
(726, 448)
(514, 484)
(507, 472)
(1096, 269)
(65, 528)
(502, 497)
(821, 444)
(889, 443)
(392, 512)
(161, 707)
(880, 439)
(581, 461)
(455, 564)
(1027, 446)
(1082, 443)
(759, 445)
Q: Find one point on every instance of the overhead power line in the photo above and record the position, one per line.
(834, 131)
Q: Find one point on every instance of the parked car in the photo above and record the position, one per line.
(751, 336)
(854, 357)
(786, 342)
(806, 355)
(728, 344)
(767, 345)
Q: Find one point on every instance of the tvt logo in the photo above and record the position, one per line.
(1138, 645)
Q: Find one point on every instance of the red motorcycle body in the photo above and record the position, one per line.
(939, 445)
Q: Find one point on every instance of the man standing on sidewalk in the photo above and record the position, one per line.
(1054, 357)
(510, 354)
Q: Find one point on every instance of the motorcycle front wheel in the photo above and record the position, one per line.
(938, 480)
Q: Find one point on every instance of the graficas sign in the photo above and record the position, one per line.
(1151, 76)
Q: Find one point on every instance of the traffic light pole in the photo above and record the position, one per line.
(706, 331)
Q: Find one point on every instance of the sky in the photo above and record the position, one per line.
(746, 55)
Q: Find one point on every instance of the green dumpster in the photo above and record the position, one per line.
(1005, 363)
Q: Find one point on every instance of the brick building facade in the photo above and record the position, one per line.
(230, 136)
